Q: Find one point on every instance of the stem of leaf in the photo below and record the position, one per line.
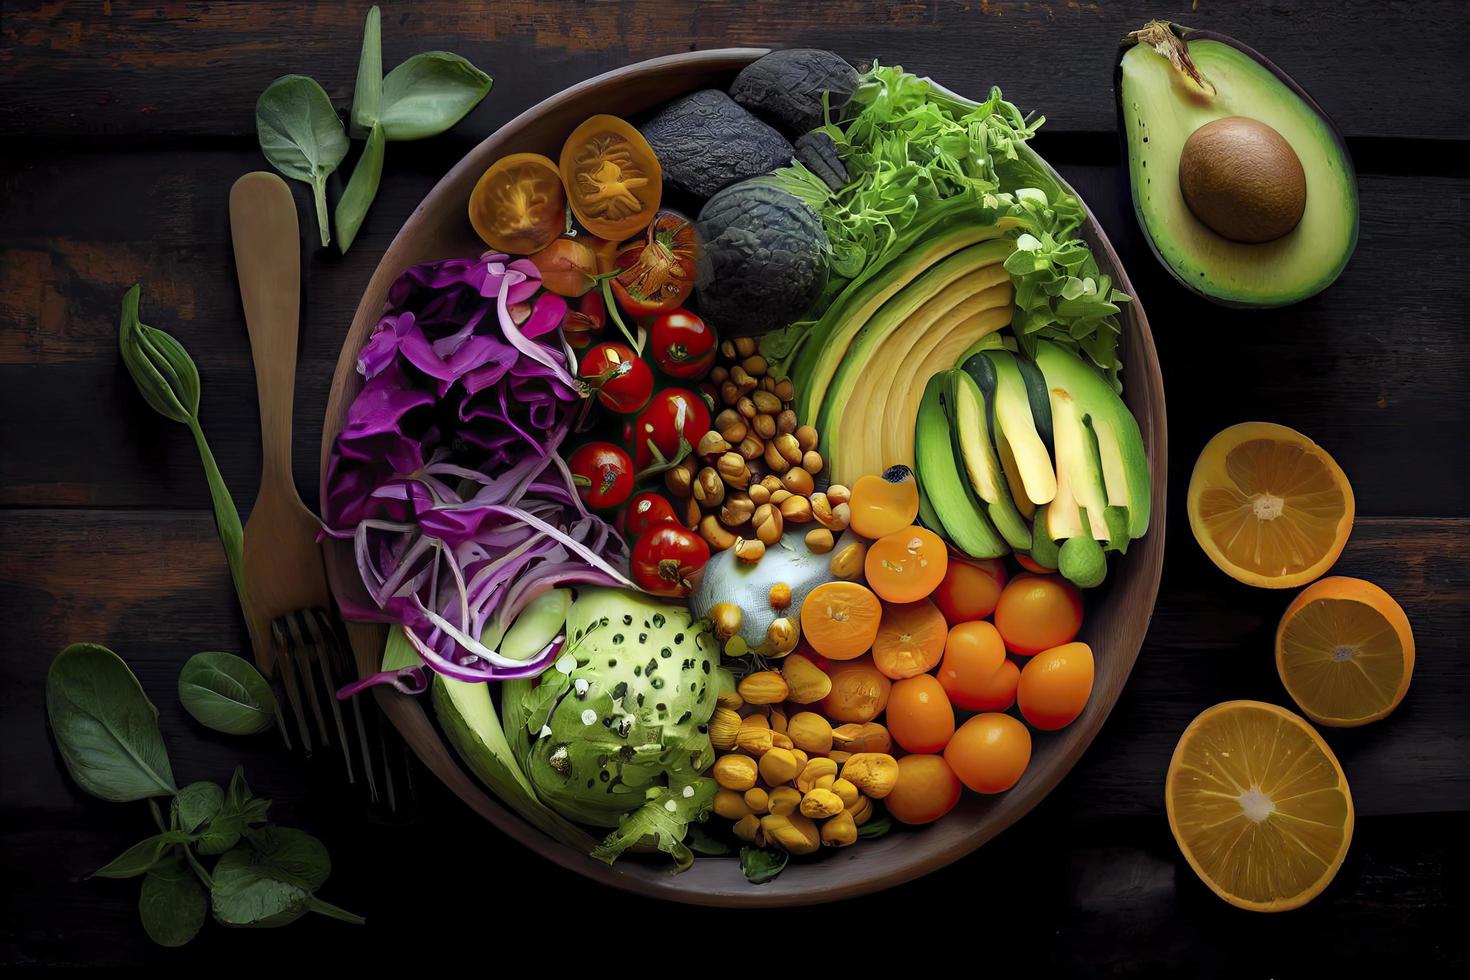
(333, 912)
(612, 310)
(204, 875)
(319, 191)
(157, 814)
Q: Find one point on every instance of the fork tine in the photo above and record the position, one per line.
(300, 650)
(287, 674)
(324, 649)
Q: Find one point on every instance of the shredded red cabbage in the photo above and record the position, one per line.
(446, 475)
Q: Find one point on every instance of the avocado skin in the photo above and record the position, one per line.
(764, 259)
(705, 142)
(1215, 285)
(786, 87)
(950, 498)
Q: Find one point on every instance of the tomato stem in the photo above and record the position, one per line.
(617, 318)
(660, 464)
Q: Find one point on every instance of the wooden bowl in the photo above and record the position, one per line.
(439, 228)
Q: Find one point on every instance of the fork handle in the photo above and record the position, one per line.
(267, 240)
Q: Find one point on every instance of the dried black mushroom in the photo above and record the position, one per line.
(705, 142)
(786, 87)
(764, 260)
(818, 153)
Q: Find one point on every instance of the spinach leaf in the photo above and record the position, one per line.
(301, 136)
(298, 857)
(172, 904)
(141, 857)
(226, 693)
(761, 864)
(251, 893)
(352, 207)
(198, 803)
(369, 91)
(429, 93)
(105, 726)
(702, 842)
(240, 812)
(876, 827)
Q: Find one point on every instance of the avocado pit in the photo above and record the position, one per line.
(1243, 180)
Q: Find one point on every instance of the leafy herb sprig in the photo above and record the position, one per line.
(266, 875)
(301, 135)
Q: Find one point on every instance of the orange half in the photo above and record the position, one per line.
(1345, 652)
(1269, 506)
(1259, 805)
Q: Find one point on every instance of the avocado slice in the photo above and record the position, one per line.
(1044, 550)
(944, 231)
(1161, 105)
(970, 428)
(1025, 456)
(947, 494)
(953, 301)
(1100, 462)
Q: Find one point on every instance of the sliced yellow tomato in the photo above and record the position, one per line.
(1269, 506)
(612, 177)
(1345, 652)
(1259, 805)
(518, 206)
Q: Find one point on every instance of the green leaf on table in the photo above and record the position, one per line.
(197, 804)
(226, 693)
(240, 812)
(368, 94)
(706, 844)
(142, 856)
(165, 374)
(105, 726)
(249, 892)
(761, 864)
(301, 136)
(299, 857)
(173, 903)
(429, 93)
(353, 206)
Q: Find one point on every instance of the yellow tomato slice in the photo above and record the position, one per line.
(612, 177)
(518, 206)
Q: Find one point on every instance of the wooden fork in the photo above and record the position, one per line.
(282, 561)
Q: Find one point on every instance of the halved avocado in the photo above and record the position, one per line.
(945, 495)
(1100, 461)
(970, 428)
(1170, 82)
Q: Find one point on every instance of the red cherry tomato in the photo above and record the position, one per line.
(665, 557)
(603, 474)
(645, 511)
(657, 270)
(621, 378)
(674, 413)
(682, 346)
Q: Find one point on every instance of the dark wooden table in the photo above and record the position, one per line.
(124, 125)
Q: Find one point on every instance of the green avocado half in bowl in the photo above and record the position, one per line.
(1241, 184)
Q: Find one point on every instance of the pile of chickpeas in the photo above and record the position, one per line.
(789, 779)
(754, 472)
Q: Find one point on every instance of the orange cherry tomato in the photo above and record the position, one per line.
(970, 589)
(859, 691)
(840, 619)
(1036, 613)
(975, 672)
(907, 565)
(1055, 686)
(926, 790)
(1029, 563)
(612, 177)
(919, 716)
(884, 504)
(989, 752)
(518, 206)
(910, 639)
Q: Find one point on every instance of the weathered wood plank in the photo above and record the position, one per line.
(195, 68)
(79, 435)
